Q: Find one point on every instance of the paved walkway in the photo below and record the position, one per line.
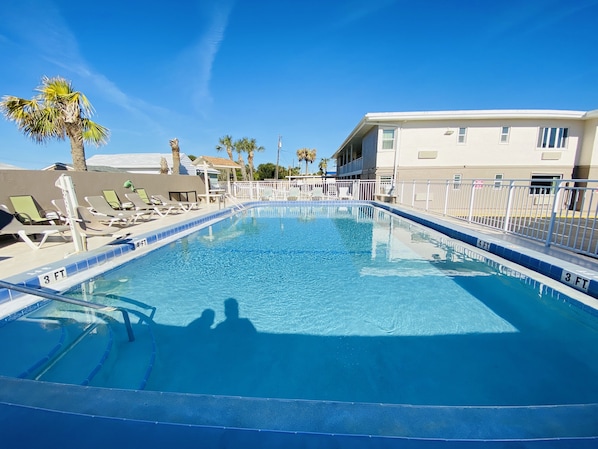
(16, 257)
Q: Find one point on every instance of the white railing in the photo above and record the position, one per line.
(556, 212)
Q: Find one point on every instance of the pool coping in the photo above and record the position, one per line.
(575, 422)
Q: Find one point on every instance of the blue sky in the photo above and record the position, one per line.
(306, 70)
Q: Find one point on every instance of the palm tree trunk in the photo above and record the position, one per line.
(75, 135)
(250, 162)
(241, 162)
(229, 150)
(176, 156)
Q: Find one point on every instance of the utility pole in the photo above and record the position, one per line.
(278, 157)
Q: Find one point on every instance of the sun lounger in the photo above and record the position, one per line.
(28, 211)
(100, 207)
(184, 206)
(317, 194)
(89, 224)
(293, 194)
(343, 193)
(139, 205)
(114, 201)
(144, 196)
(10, 225)
(267, 194)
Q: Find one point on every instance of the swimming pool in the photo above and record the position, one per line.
(334, 311)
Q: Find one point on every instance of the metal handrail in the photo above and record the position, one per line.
(78, 302)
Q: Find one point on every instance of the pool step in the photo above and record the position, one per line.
(77, 347)
(82, 359)
(129, 364)
(29, 343)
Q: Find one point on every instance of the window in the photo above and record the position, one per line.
(457, 182)
(462, 135)
(504, 134)
(543, 184)
(553, 137)
(497, 181)
(388, 139)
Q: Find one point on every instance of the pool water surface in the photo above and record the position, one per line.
(351, 304)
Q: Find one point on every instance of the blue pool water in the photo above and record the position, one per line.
(350, 304)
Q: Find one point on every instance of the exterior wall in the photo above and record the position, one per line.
(427, 145)
(482, 146)
(587, 161)
(40, 185)
(369, 148)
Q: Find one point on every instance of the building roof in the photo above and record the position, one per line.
(140, 162)
(216, 162)
(9, 167)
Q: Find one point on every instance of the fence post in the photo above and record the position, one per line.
(557, 200)
(446, 194)
(427, 195)
(470, 216)
(413, 195)
(509, 206)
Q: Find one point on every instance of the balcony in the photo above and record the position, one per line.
(352, 168)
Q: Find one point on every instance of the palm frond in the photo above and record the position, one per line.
(94, 133)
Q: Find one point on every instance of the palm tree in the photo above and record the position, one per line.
(241, 147)
(252, 148)
(226, 143)
(56, 112)
(323, 166)
(307, 155)
(176, 155)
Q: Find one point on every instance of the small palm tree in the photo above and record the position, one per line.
(56, 112)
(241, 147)
(307, 155)
(323, 166)
(176, 155)
(226, 143)
(252, 148)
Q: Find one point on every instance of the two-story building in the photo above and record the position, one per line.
(491, 144)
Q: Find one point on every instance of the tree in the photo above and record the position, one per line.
(226, 144)
(240, 147)
(323, 166)
(307, 155)
(176, 155)
(251, 149)
(163, 166)
(57, 112)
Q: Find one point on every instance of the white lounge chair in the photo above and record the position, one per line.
(293, 194)
(184, 206)
(100, 207)
(10, 225)
(317, 194)
(140, 205)
(343, 193)
(88, 224)
(267, 194)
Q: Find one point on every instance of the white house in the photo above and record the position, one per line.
(140, 162)
(486, 144)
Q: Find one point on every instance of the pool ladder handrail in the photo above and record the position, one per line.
(236, 203)
(77, 302)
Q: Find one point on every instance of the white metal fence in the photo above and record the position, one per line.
(556, 212)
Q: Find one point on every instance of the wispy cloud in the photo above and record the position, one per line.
(354, 11)
(198, 60)
(52, 40)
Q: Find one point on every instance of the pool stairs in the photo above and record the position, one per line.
(77, 347)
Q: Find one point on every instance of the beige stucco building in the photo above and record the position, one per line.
(491, 144)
